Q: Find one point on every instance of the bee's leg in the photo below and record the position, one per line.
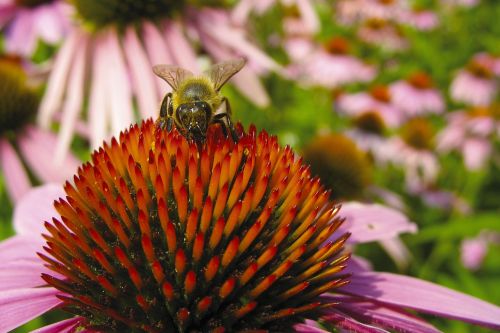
(227, 115)
(166, 112)
(218, 120)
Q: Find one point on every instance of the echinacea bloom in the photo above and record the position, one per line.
(18, 104)
(350, 12)
(329, 66)
(377, 100)
(26, 22)
(158, 234)
(417, 95)
(470, 133)
(384, 34)
(474, 250)
(103, 69)
(421, 19)
(476, 84)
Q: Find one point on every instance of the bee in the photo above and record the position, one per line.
(195, 101)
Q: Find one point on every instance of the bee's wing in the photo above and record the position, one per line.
(220, 73)
(173, 74)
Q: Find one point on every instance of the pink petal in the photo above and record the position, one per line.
(19, 248)
(19, 306)
(473, 251)
(64, 326)
(56, 86)
(373, 222)
(420, 295)
(49, 23)
(73, 102)
(16, 179)
(117, 86)
(98, 109)
(36, 207)
(476, 153)
(21, 36)
(142, 76)
(397, 250)
(36, 145)
(309, 326)
(22, 274)
(180, 48)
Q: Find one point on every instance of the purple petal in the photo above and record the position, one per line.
(65, 326)
(349, 324)
(309, 326)
(36, 207)
(373, 222)
(16, 179)
(22, 274)
(36, 145)
(180, 49)
(19, 306)
(420, 295)
(19, 248)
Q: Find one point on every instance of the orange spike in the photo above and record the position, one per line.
(122, 236)
(283, 268)
(211, 269)
(159, 188)
(260, 189)
(122, 258)
(214, 181)
(82, 266)
(246, 205)
(198, 194)
(135, 277)
(142, 303)
(193, 175)
(227, 287)
(182, 204)
(206, 215)
(120, 208)
(311, 271)
(177, 181)
(224, 175)
(204, 304)
(235, 191)
(125, 194)
(152, 168)
(198, 246)
(281, 234)
(171, 237)
(191, 226)
(216, 235)
(144, 223)
(262, 286)
(294, 290)
(189, 282)
(249, 273)
(205, 168)
(97, 238)
(249, 237)
(231, 250)
(303, 238)
(148, 249)
(245, 309)
(158, 272)
(101, 258)
(306, 223)
(108, 286)
(168, 291)
(232, 219)
(268, 254)
(220, 203)
(180, 262)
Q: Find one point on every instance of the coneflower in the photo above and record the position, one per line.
(158, 234)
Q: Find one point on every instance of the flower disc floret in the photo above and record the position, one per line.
(160, 234)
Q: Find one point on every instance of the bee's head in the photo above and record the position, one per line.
(194, 118)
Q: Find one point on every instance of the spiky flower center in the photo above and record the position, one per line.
(418, 133)
(386, 2)
(32, 3)
(340, 164)
(370, 122)
(18, 102)
(158, 234)
(376, 23)
(420, 80)
(381, 93)
(337, 45)
(124, 12)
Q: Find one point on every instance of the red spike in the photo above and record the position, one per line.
(135, 277)
(212, 268)
(144, 223)
(232, 219)
(216, 235)
(101, 258)
(249, 237)
(262, 286)
(122, 236)
(214, 181)
(198, 246)
(204, 304)
(168, 291)
(231, 250)
(120, 208)
(122, 257)
(198, 194)
(148, 249)
(245, 309)
(206, 215)
(180, 262)
(220, 203)
(157, 270)
(227, 287)
(190, 282)
(205, 168)
(249, 273)
(191, 226)
(108, 286)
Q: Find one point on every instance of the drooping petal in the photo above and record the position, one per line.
(141, 74)
(19, 306)
(57, 80)
(373, 222)
(16, 179)
(309, 326)
(19, 248)
(22, 274)
(180, 49)
(423, 296)
(73, 101)
(64, 326)
(35, 208)
(36, 145)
